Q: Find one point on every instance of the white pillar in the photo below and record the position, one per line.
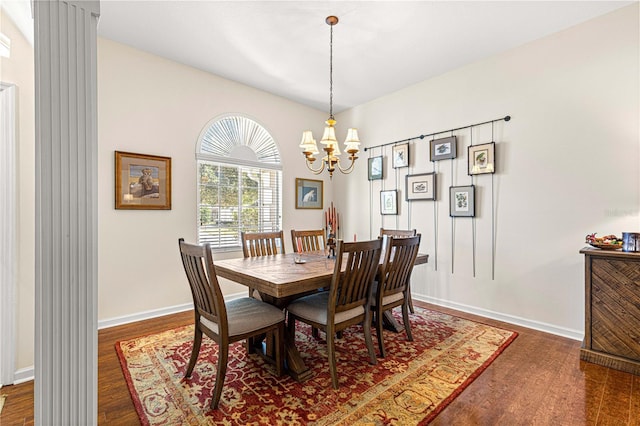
(66, 212)
(8, 225)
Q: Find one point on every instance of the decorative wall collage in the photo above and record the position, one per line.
(481, 159)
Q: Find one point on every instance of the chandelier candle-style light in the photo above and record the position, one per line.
(308, 145)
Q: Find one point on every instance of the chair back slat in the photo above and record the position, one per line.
(352, 288)
(400, 256)
(398, 233)
(262, 243)
(208, 300)
(310, 240)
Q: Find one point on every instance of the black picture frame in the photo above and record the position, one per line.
(462, 201)
(421, 187)
(443, 148)
(389, 202)
(375, 169)
(481, 159)
(400, 155)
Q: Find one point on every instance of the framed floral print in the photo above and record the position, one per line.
(462, 201)
(389, 202)
(482, 159)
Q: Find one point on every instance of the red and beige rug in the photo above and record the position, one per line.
(410, 386)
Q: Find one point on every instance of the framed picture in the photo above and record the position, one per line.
(309, 194)
(482, 158)
(375, 168)
(389, 202)
(462, 201)
(443, 149)
(401, 155)
(143, 182)
(420, 187)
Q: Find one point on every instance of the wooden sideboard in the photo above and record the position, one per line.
(612, 309)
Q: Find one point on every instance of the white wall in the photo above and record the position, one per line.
(567, 165)
(18, 69)
(151, 105)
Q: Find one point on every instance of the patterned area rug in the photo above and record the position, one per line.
(410, 386)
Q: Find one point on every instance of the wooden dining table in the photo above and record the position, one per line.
(282, 278)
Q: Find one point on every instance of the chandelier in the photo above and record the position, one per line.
(308, 145)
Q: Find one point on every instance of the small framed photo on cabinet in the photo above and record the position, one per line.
(462, 201)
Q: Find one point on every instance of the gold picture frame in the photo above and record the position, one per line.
(309, 194)
(142, 182)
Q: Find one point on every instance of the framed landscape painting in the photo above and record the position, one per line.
(420, 187)
(462, 201)
(142, 182)
(309, 194)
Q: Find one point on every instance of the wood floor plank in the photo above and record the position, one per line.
(538, 380)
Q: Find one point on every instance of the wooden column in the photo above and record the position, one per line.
(66, 212)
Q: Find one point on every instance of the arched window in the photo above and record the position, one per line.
(240, 181)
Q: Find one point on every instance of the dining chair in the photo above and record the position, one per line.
(262, 243)
(392, 287)
(256, 244)
(347, 301)
(398, 232)
(309, 240)
(401, 233)
(225, 322)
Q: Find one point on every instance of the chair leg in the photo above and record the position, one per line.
(368, 339)
(223, 356)
(331, 354)
(280, 350)
(405, 319)
(197, 341)
(379, 328)
(409, 299)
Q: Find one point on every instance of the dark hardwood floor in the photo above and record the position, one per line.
(538, 380)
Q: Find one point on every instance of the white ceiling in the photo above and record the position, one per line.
(282, 47)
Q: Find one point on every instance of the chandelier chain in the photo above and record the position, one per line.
(331, 73)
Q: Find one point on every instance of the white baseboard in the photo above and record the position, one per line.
(27, 374)
(511, 319)
(141, 316)
(23, 375)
